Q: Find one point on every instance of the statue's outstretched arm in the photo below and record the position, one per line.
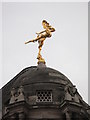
(40, 32)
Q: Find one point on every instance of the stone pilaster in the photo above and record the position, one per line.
(13, 117)
(68, 115)
(21, 116)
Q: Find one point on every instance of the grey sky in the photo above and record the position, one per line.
(67, 49)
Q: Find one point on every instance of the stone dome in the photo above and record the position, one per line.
(35, 75)
(36, 78)
(41, 87)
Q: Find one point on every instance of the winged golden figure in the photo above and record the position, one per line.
(41, 36)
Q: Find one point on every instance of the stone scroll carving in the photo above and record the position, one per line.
(71, 94)
(17, 96)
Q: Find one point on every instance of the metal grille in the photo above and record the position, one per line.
(44, 96)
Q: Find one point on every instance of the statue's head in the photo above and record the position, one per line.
(45, 24)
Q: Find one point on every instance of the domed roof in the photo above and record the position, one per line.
(39, 75)
(35, 75)
(34, 81)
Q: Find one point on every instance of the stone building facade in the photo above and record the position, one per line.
(42, 93)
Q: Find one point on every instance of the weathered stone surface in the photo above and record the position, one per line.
(20, 96)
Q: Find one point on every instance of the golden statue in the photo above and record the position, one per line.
(41, 36)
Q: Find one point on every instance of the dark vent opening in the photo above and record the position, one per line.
(44, 96)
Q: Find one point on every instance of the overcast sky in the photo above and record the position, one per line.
(67, 49)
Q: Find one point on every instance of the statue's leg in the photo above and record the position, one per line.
(40, 48)
(39, 53)
(34, 40)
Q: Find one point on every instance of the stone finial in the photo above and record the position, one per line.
(41, 65)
